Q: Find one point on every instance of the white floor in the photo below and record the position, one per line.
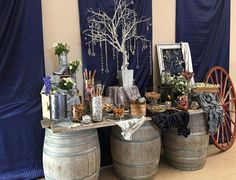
(219, 166)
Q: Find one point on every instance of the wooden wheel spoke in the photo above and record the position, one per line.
(228, 116)
(225, 84)
(227, 122)
(227, 94)
(217, 135)
(227, 135)
(230, 110)
(222, 135)
(212, 81)
(229, 101)
(221, 82)
(216, 76)
(227, 130)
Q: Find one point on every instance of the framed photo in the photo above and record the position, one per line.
(170, 58)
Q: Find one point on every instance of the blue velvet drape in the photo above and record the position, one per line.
(206, 26)
(21, 73)
(142, 75)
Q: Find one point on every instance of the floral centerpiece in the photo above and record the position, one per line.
(180, 85)
(66, 83)
(181, 89)
(55, 84)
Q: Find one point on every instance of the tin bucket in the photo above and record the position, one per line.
(58, 106)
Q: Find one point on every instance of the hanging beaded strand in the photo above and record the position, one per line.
(106, 58)
(137, 53)
(102, 58)
(150, 53)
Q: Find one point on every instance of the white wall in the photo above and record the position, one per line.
(61, 24)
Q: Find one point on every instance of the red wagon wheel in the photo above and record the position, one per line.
(225, 135)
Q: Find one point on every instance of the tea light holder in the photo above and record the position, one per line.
(86, 119)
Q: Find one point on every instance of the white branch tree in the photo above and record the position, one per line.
(119, 31)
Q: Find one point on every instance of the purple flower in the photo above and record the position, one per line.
(47, 83)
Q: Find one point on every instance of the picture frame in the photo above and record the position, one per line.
(175, 58)
(170, 58)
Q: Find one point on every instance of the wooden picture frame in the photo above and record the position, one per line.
(170, 58)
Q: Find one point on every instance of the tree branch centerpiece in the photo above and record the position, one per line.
(118, 30)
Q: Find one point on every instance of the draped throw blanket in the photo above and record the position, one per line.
(205, 25)
(21, 73)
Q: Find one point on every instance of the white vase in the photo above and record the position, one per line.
(126, 77)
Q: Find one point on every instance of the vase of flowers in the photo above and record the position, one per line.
(61, 50)
(73, 67)
(181, 89)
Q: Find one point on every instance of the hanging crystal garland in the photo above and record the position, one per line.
(147, 28)
(93, 53)
(102, 58)
(150, 53)
(89, 49)
(137, 53)
(113, 53)
(106, 58)
(117, 61)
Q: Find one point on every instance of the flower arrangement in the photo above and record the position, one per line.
(180, 85)
(66, 83)
(61, 48)
(74, 65)
(53, 84)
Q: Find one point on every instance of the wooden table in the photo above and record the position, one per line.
(57, 128)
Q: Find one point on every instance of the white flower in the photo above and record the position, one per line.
(65, 84)
(70, 67)
(55, 45)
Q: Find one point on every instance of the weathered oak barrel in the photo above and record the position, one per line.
(188, 153)
(71, 155)
(137, 159)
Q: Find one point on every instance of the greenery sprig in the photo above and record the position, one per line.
(74, 66)
(61, 48)
(66, 84)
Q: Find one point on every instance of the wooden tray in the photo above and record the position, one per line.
(204, 89)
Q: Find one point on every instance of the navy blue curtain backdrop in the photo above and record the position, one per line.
(142, 75)
(206, 26)
(21, 73)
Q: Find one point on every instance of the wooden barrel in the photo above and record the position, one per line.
(187, 153)
(139, 158)
(72, 155)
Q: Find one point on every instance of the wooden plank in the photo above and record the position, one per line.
(59, 127)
